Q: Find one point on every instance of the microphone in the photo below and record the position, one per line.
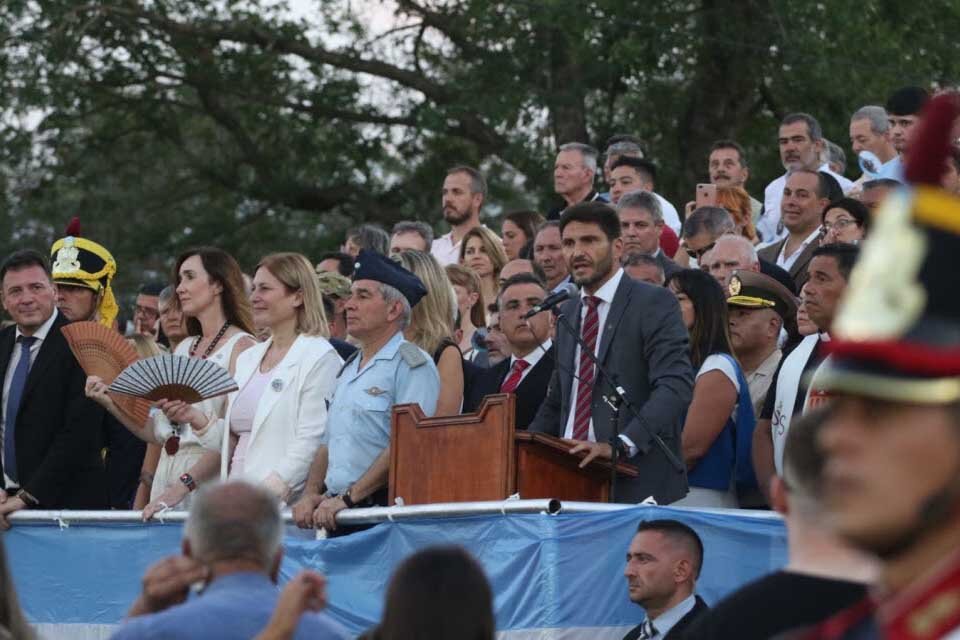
(569, 290)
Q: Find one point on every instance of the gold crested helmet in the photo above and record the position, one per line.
(80, 262)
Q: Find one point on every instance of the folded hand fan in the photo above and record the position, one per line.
(103, 352)
(174, 377)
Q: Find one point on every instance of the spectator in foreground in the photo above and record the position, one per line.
(663, 564)
(233, 544)
(439, 593)
(823, 574)
(13, 624)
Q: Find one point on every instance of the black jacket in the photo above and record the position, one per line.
(59, 432)
(530, 393)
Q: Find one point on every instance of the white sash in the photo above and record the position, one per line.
(787, 384)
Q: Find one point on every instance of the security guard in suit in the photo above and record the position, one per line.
(892, 439)
(352, 466)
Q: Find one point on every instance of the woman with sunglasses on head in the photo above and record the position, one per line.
(212, 297)
(844, 220)
(720, 420)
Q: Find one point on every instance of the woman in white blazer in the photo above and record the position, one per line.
(274, 423)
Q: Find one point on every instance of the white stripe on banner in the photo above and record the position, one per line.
(554, 577)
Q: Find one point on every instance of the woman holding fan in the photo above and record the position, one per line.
(273, 426)
(210, 290)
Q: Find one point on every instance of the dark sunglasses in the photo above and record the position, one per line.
(696, 255)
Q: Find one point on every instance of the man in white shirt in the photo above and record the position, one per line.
(801, 145)
(804, 198)
(663, 563)
(464, 191)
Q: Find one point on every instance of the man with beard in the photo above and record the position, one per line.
(891, 443)
(801, 144)
(727, 165)
(636, 332)
(464, 191)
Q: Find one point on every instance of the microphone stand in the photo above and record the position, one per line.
(615, 399)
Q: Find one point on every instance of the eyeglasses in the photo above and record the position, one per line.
(145, 311)
(696, 255)
(839, 225)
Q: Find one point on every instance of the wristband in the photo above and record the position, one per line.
(347, 500)
(188, 482)
(28, 499)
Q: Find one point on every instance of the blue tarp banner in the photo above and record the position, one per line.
(562, 572)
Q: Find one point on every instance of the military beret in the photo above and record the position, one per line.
(375, 266)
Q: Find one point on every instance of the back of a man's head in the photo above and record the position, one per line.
(235, 522)
(803, 463)
(711, 220)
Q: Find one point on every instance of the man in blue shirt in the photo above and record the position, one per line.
(233, 545)
(352, 466)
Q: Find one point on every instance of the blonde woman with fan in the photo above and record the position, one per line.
(274, 424)
(209, 286)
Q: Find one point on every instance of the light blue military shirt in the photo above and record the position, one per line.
(358, 422)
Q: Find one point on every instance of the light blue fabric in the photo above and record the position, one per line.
(547, 572)
(237, 605)
(358, 423)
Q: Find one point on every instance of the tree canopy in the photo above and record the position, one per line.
(168, 123)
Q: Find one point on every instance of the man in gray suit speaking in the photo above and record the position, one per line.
(637, 334)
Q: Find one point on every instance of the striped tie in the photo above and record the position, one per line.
(589, 330)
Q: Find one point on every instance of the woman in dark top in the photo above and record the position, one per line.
(431, 327)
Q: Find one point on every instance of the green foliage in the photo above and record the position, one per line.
(177, 122)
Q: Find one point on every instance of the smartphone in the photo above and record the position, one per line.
(706, 195)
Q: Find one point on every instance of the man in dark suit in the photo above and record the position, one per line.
(804, 198)
(641, 224)
(663, 564)
(636, 331)
(50, 453)
(527, 372)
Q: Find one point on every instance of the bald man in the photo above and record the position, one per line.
(730, 253)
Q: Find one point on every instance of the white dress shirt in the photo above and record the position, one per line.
(40, 335)
(605, 293)
(445, 250)
(785, 262)
(531, 358)
(769, 226)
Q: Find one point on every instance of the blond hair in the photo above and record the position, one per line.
(461, 276)
(432, 319)
(144, 346)
(296, 273)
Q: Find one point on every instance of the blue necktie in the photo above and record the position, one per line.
(17, 383)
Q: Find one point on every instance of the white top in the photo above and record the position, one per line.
(716, 362)
(786, 262)
(532, 358)
(40, 335)
(212, 407)
(769, 227)
(445, 250)
(605, 293)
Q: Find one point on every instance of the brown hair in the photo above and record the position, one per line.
(491, 244)
(295, 273)
(737, 201)
(223, 269)
(461, 276)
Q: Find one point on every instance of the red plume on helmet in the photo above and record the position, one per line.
(73, 227)
(930, 144)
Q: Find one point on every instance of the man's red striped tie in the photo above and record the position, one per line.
(585, 374)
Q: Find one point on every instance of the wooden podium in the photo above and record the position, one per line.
(479, 457)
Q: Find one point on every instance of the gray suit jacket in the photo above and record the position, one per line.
(645, 346)
(669, 266)
(799, 269)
